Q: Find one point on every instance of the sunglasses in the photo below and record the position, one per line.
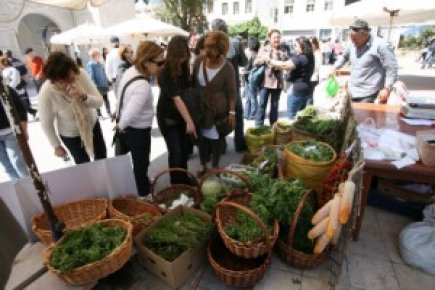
(158, 63)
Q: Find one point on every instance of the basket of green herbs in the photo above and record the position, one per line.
(139, 213)
(240, 229)
(310, 161)
(293, 246)
(174, 234)
(259, 136)
(218, 184)
(234, 270)
(310, 125)
(89, 253)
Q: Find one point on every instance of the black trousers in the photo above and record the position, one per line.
(77, 150)
(138, 143)
(368, 99)
(210, 149)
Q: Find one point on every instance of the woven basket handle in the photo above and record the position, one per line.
(167, 171)
(256, 218)
(296, 215)
(220, 171)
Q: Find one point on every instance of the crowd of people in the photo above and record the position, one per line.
(200, 99)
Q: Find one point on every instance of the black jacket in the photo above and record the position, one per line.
(4, 121)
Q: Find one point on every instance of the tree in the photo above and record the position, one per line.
(249, 28)
(184, 13)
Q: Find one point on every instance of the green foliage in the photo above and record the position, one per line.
(85, 246)
(312, 150)
(262, 130)
(252, 27)
(269, 155)
(414, 42)
(183, 13)
(173, 235)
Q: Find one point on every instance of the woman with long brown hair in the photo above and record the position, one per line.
(135, 110)
(173, 117)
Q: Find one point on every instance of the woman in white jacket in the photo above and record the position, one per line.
(135, 110)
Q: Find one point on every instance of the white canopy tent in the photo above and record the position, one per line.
(143, 27)
(70, 4)
(386, 12)
(87, 33)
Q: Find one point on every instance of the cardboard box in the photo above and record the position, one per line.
(173, 273)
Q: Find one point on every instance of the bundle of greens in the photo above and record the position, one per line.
(213, 190)
(283, 125)
(173, 235)
(86, 245)
(312, 150)
(261, 131)
(270, 156)
(309, 120)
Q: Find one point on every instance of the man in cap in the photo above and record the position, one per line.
(113, 60)
(373, 65)
(237, 57)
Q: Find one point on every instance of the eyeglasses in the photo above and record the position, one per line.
(158, 63)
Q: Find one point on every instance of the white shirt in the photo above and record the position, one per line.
(137, 107)
(53, 106)
(12, 77)
(317, 63)
(113, 60)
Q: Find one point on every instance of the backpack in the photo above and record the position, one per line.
(256, 76)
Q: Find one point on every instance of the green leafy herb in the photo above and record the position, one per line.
(269, 155)
(262, 130)
(312, 150)
(86, 245)
(173, 235)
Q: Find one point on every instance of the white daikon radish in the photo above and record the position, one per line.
(321, 244)
(321, 213)
(333, 216)
(347, 201)
(319, 229)
(336, 235)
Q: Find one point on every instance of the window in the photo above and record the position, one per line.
(248, 6)
(236, 8)
(210, 5)
(224, 8)
(329, 4)
(310, 5)
(288, 6)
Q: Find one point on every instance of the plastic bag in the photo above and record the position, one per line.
(332, 86)
(417, 245)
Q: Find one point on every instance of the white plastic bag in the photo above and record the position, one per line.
(417, 242)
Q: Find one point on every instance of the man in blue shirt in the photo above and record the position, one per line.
(373, 65)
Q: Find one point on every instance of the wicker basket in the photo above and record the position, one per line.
(73, 214)
(289, 254)
(226, 215)
(136, 210)
(331, 139)
(282, 136)
(233, 270)
(94, 271)
(173, 191)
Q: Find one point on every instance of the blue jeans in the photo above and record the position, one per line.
(177, 142)
(262, 104)
(11, 158)
(296, 101)
(138, 142)
(251, 103)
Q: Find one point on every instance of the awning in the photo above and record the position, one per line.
(69, 4)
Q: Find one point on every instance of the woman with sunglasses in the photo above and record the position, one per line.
(69, 100)
(135, 110)
(173, 117)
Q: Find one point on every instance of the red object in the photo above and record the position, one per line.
(35, 66)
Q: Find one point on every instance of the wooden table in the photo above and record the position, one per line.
(387, 116)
